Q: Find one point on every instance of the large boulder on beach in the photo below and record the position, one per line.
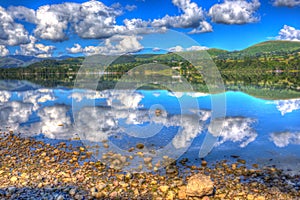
(199, 185)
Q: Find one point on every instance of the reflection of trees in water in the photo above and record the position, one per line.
(277, 80)
(261, 82)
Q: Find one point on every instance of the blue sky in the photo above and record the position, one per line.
(52, 27)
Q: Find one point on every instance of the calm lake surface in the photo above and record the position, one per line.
(260, 131)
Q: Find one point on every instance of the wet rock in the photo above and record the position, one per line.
(241, 161)
(140, 146)
(171, 170)
(147, 160)
(131, 149)
(2, 193)
(78, 197)
(158, 112)
(141, 154)
(11, 190)
(234, 156)
(255, 166)
(203, 163)
(60, 197)
(199, 185)
(72, 192)
(183, 161)
(82, 149)
(128, 176)
(233, 166)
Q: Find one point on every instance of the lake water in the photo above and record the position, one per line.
(260, 131)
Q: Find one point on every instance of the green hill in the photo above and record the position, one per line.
(272, 46)
(216, 52)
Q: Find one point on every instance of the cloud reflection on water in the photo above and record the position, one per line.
(283, 139)
(29, 112)
(287, 106)
(236, 129)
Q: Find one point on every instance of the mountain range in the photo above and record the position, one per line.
(272, 47)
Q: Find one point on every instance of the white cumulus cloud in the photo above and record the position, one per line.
(193, 17)
(179, 48)
(52, 22)
(91, 19)
(288, 3)
(35, 49)
(203, 28)
(235, 12)
(4, 96)
(176, 49)
(75, 49)
(196, 48)
(95, 20)
(3, 50)
(11, 33)
(289, 33)
(22, 13)
(116, 45)
(130, 7)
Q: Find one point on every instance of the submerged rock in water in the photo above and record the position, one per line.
(140, 146)
(158, 112)
(199, 185)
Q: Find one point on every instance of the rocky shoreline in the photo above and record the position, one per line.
(31, 169)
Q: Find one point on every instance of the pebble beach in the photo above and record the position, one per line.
(32, 169)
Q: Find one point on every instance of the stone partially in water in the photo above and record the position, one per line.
(233, 166)
(242, 161)
(203, 163)
(199, 185)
